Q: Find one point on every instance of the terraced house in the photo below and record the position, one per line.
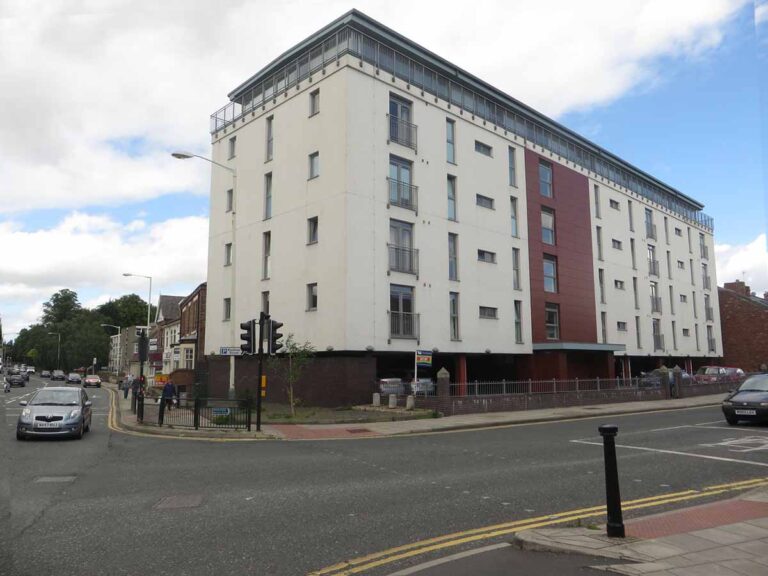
(380, 200)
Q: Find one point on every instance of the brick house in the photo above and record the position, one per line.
(191, 343)
(744, 319)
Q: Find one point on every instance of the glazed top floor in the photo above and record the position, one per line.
(361, 37)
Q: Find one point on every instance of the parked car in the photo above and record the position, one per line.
(45, 374)
(391, 386)
(55, 411)
(15, 380)
(735, 375)
(423, 386)
(58, 375)
(92, 380)
(73, 378)
(749, 402)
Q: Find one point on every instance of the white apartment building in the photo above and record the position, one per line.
(380, 200)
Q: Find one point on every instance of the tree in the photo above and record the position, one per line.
(290, 365)
(128, 310)
(62, 305)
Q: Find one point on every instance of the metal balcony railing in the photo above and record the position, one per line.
(710, 313)
(403, 194)
(650, 230)
(653, 267)
(704, 251)
(403, 325)
(658, 342)
(711, 345)
(402, 132)
(402, 259)
(656, 304)
(707, 281)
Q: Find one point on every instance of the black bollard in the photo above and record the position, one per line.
(615, 527)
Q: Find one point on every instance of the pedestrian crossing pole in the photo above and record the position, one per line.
(263, 319)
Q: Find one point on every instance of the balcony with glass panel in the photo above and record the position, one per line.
(403, 325)
(711, 345)
(656, 304)
(707, 281)
(710, 313)
(658, 342)
(403, 259)
(704, 251)
(402, 131)
(650, 231)
(403, 194)
(653, 267)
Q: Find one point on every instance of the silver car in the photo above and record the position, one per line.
(55, 411)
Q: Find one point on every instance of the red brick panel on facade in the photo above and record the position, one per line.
(573, 250)
(744, 324)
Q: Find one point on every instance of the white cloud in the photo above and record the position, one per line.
(88, 254)
(747, 262)
(761, 13)
(96, 93)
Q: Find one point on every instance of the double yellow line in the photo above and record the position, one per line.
(370, 561)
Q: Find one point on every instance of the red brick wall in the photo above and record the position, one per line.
(745, 331)
(573, 249)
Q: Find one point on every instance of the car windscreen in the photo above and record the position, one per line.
(758, 383)
(50, 397)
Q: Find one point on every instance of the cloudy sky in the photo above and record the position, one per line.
(96, 94)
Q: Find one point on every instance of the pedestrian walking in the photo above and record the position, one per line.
(168, 394)
(126, 386)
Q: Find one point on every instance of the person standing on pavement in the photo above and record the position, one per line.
(127, 382)
(168, 394)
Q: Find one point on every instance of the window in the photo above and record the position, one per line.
(637, 332)
(270, 138)
(311, 297)
(680, 265)
(550, 273)
(454, 314)
(604, 326)
(267, 196)
(618, 284)
(228, 254)
(312, 230)
(453, 257)
(679, 232)
(484, 201)
(450, 141)
(552, 321)
(188, 358)
(314, 165)
(265, 302)
(597, 201)
(488, 312)
(631, 218)
(545, 179)
(696, 333)
(266, 260)
(483, 148)
(615, 205)
(230, 199)
(616, 244)
(686, 331)
(518, 321)
(400, 128)
(512, 170)
(690, 248)
(599, 242)
(683, 298)
(486, 256)
(671, 299)
(690, 267)
(516, 269)
(621, 326)
(547, 226)
(452, 198)
(693, 303)
(227, 309)
(632, 249)
(401, 190)
(650, 227)
(513, 209)
(232, 146)
(402, 256)
(710, 339)
(403, 323)
(666, 230)
(634, 292)
(314, 102)
(601, 284)
(669, 265)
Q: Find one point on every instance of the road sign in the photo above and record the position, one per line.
(230, 351)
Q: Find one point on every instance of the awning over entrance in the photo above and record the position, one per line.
(579, 346)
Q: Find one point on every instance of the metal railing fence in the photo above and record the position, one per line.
(209, 413)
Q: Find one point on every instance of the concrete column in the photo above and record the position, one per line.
(393, 400)
(376, 399)
(443, 383)
(461, 373)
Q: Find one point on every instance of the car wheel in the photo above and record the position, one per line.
(80, 432)
(88, 427)
(19, 435)
(731, 420)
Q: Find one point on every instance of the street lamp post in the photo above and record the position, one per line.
(119, 342)
(58, 348)
(149, 313)
(233, 300)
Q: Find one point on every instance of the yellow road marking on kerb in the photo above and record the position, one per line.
(370, 561)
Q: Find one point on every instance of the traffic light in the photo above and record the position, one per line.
(273, 337)
(143, 346)
(248, 336)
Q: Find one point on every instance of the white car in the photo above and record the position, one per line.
(30, 369)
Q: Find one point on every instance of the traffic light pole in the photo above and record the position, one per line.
(262, 322)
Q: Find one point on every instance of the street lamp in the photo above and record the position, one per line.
(180, 155)
(149, 308)
(119, 338)
(58, 348)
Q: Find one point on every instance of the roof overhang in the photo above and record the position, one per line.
(579, 347)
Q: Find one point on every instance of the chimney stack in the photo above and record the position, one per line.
(739, 287)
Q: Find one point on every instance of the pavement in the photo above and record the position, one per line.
(725, 538)
(126, 420)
